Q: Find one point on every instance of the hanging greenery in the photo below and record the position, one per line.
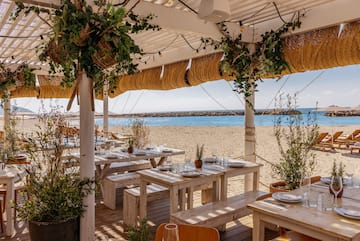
(23, 75)
(247, 67)
(95, 39)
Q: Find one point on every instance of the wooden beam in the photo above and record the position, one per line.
(42, 3)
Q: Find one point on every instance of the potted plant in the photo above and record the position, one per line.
(55, 192)
(337, 171)
(295, 138)
(140, 233)
(140, 133)
(130, 148)
(199, 155)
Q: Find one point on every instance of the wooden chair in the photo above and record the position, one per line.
(191, 233)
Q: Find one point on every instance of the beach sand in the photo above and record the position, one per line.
(229, 141)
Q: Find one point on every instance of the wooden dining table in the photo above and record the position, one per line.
(323, 225)
(213, 174)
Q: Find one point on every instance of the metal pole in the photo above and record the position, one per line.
(87, 164)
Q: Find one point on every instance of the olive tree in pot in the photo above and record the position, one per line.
(54, 191)
(295, 137)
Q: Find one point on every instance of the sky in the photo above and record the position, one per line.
(336, 86)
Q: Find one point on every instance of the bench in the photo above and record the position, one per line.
(113, 182)
(132, 199)
(217, 213)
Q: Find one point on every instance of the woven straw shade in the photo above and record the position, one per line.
(322, 49)
(50, 87)
(24, 92)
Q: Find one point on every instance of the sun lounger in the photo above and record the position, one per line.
(348, 140)
(329, 142)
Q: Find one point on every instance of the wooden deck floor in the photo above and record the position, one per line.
(109, 224)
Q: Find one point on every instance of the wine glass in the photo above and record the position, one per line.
(336, 186)
(171, 232)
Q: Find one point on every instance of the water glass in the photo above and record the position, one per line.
(313, 199)
(171, 232)
(327, 201)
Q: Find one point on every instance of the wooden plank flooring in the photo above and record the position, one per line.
(109, 224)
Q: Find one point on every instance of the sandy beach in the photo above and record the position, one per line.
(229, 142)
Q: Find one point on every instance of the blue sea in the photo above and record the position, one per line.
(231, 120)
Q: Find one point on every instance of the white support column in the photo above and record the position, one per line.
(250, 138)
(6, 118)
(87, 164)
(106, 107)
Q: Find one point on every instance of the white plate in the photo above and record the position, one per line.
(287, 197)
(340, 210)
(111, 156)
(327, 180)
(167, 151)
(236, 164)
(165, 168)
(209, 160)
(190, 174)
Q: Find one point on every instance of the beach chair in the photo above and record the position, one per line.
(191, 233)
(320, 138)
(348, 140)
(329, 142)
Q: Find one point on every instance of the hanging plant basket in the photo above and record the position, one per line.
(104, 57)
(54, 50)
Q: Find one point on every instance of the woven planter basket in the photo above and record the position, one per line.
(104, 57)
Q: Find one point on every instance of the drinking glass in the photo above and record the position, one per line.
(350, 176)
(305, 183)
(171, 232)
(336, 186)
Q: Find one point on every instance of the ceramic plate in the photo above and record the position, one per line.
(236, 164)
(190, 174)
(287, 197)
(111, 156)
(209, 160)
(327, 180)
(165, 168)
(167, 151)
(345, 212)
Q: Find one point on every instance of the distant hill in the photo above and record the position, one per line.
(17, 109)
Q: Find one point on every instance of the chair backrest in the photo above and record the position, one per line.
(336, 135)
(191, 233)
(354, 135)
(321, 137)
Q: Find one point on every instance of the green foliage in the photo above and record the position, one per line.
(55, 192)
(199, 152)
(247, 67)
(338, 171)
(23, 75)
(295, 140)
(140, 233)
(12, 145)
(88, 39)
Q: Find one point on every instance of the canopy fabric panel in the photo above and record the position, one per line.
(324, 48)
(24, 92)
(50, 87)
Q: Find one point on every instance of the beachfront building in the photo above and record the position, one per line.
(328, 37)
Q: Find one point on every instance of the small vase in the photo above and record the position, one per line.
(198, 163)
(130, 149)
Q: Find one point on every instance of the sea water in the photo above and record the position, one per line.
(231, 120)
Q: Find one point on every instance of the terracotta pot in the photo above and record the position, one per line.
(130, 149)
(279, 186)
(198, 163)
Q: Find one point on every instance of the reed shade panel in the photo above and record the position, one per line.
(24, 92)
(50, 87)
(205, 69)
(174, 75)
(324, 48)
